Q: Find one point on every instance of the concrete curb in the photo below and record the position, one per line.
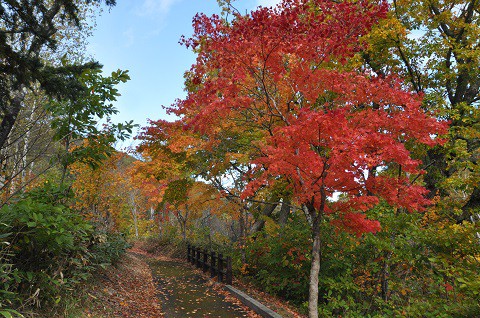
(255, 305)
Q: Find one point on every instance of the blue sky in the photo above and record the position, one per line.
(142, 36)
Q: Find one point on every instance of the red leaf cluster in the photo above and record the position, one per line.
(324, 126)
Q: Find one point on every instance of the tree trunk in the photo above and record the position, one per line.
(184, 230)
(26, 144)
(135, 220)
(314, 270)
(471, 207)
(152, 214)
(16, 169)
(11, 114)
(133, 207)
(160, 226)
(260, 223)
(65, 164)
(284, 212)
(184, 223)
(243, 233)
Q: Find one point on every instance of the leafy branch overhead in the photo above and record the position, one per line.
(79, 118)
(28, 32)
(434, 46)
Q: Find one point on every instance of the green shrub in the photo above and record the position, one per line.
(47, 250)
(48, 245)
(278, 260)
(410, 268)
(8, 274)
(109, 248)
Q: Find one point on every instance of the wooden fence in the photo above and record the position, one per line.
(218, 265)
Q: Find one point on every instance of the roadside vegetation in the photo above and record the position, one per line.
(52, 100)
(330, 147)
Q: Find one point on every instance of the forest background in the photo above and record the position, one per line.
(331, 148)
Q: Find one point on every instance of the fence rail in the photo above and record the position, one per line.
(219, 266)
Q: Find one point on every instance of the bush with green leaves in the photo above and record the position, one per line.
(47, 251)
(418, 265)
(415, 266)
(277, 260)
(7, 274)
(109, 247)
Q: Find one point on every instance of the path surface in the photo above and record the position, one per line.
(184, 293)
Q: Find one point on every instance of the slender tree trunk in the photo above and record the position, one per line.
(23, 176)
(184, 223)
(65, 164)
(243, 232)
(134, 212)
(314, 269)
(160, 217)
(135, 220)
(26, 143)
(184, 230)
(152, 214)
(14, 181)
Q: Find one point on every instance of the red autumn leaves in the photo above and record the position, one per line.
(327, 126)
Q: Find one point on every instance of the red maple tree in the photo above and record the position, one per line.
(322, 124)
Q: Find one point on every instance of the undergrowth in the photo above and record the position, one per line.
(47, 252)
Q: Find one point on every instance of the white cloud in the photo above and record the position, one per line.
(129, 36)
(268, 3)
(154, 7)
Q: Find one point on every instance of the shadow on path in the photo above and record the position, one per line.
(184, 293)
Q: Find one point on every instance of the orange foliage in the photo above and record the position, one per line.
(108, 194)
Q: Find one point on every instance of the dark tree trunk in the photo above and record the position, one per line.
(10, 116)
(471, 207)
(260, 222)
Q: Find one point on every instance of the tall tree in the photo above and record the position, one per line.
(28, 30)
(29, 147)
(61, 90)
(434, 45)
(280, 74)
(76, 120)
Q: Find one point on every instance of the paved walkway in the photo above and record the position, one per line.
(184, 293)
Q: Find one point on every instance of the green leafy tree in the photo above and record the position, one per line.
(37, 39)
(75, 121)
(28, 30)
(434, 45)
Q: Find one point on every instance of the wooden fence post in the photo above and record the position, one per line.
(205, 263)
(198, 257)
(228, 278)
(220, 268)
(212, 265)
